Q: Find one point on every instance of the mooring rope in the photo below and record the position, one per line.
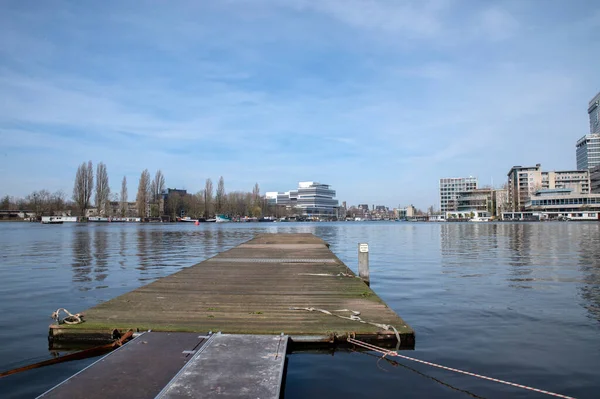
(355, 317)
(386, 352)
(69, 319)
(340, 274)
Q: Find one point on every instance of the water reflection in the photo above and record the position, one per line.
(453, 282)
(82, 257)
(123, 249)
(143, 248)
(466, 248)
(589, 265)
(100, 254)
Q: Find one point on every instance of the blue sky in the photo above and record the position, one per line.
(378, 98)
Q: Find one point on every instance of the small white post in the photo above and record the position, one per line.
(363, 262)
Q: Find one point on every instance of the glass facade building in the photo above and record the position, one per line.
(311, 199)
(594, 113)
(588, 151)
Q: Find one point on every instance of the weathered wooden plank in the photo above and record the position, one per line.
(233, 366)
(240, 293)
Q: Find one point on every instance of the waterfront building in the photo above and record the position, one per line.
(595, 180)
(479, 200)
(316, 199)
(271, 197)
(523, 182)
(577, 180)
(588, 151)
(450, 189)
(564, 203)
(407, 212)
(311, 199)
(172, 203)
(594, 114)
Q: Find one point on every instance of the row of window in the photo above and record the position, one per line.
(566, 201)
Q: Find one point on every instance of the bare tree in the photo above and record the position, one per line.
(158, 185)
(123, 207)
(102, 189)
(256, 195)
(220, 196)
(208, 195)
(143, 194)
(82, 189)
(5, 203)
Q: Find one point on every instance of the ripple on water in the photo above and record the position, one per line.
(519, 301)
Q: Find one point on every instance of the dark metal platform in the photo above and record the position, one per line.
(139, 369)
(184, 365)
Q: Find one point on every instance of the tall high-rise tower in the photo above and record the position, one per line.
(588, 147)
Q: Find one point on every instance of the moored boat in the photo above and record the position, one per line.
(58, 219)
(222, 218)
(52, 220)
(187, 219)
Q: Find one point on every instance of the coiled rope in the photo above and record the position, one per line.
(69, 319)
(386, 352)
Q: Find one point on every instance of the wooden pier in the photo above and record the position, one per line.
(263, 286)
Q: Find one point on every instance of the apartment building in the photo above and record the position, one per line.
(577, 180)
(595, 180)
(451, 187)
(524, 182)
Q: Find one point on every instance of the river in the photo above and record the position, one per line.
(515, 301)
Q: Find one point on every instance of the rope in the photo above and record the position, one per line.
(69, 319)
(355, 317)
(386, 352)
(328, 275)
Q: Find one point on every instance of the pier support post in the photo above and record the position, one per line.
(363, 262)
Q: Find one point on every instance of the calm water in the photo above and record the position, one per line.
(515, 301)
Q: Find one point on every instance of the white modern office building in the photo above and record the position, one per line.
(311, 199)
(451, 187)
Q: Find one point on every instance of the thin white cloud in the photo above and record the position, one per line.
(496, 23)
(237, 87)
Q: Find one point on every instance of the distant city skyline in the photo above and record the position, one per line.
(379, 99)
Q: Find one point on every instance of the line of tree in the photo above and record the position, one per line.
(148, 201)
(207, 203)
(42, 203)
